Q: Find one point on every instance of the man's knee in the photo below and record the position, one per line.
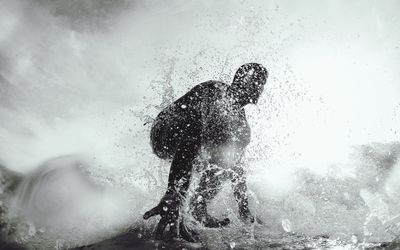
(162, 141)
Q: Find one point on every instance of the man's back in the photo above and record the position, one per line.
(206, 111)
(210, 116)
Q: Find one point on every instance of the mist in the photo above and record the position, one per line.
(85, 79)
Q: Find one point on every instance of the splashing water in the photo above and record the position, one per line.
(79, 79)
(61, 202)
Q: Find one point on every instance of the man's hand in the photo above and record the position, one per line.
(168, 209)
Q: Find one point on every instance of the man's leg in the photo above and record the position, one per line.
(166, 135)
(239, 187)
(209, 186)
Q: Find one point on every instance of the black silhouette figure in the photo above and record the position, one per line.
(208, 122)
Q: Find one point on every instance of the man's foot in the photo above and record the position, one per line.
(180, 232)
(212, 222)
(247, 218)
(200, 214)
(188, 234)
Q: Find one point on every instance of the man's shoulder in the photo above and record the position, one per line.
(204, 89)
(210, 87)
(212, 84)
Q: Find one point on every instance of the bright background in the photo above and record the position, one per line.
(83, 77)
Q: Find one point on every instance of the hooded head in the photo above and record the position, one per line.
(248, 83)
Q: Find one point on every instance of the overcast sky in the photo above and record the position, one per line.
(71, 72)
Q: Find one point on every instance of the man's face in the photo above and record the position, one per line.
(255, 90)
(250, 85)
(252, 88)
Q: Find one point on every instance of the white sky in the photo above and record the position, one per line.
(70, 72)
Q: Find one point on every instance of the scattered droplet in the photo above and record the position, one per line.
(354, 239)
(287, 225)
(139, 235)
(232, 245)
(31, 229)
(59, 244)
(183, 106)
(165, 208)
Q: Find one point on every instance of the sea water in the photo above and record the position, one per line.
(81, 82)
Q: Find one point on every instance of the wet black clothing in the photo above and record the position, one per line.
(205, 121)
(204, 118)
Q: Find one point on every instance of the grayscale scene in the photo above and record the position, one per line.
(188, 124)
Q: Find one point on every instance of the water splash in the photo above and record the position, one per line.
(83, 77)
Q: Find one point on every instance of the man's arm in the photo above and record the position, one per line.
(187, 111)
(239, 186)
(182, 165)
(178, 184)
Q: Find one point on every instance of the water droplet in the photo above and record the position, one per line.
(31, 229)
(183, 106)
(59, 244)
(165, 208)
(354, 239)
(287, 225)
